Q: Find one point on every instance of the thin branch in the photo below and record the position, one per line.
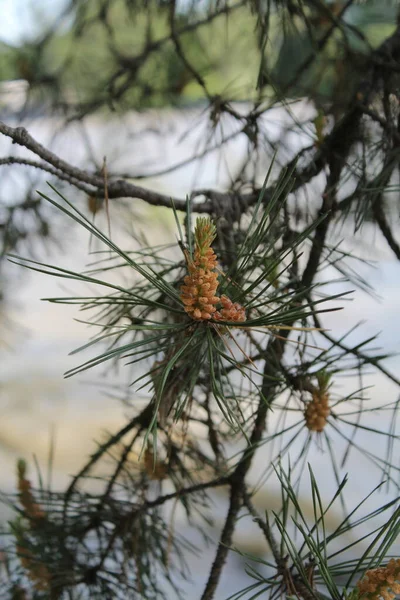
(15, 160)
(116, 189)
(180, 52)
(273, 356)
(264, 526)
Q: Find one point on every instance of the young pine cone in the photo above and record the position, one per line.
(230, 311)
(199, 292)
(317, 412)
(381, 583)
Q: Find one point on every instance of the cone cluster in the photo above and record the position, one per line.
(230, 311)
(317, 411)
(199, 292)
(382, 583)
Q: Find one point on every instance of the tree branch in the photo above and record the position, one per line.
(15, 160)
(116, 189)
(273, 356)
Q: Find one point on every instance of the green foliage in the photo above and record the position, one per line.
(182, 351)
(227, 360)
(319, 564)
(110, 54)
(184, 367)
(6, 63)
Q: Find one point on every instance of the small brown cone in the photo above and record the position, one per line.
(317, 412)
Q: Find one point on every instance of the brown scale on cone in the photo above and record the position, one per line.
(381, 583)
(317, 411)
(199, 292)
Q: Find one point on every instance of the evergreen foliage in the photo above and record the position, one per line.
(223, 331)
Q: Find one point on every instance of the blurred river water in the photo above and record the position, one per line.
(38, 404)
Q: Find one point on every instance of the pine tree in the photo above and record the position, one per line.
(224, 329)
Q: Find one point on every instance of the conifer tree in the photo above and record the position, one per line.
(223, 330)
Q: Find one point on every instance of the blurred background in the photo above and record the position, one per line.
(102, 79)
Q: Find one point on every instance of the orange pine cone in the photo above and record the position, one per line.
(381, 583)
(199, 292)
(230, 311)
(317, 412)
